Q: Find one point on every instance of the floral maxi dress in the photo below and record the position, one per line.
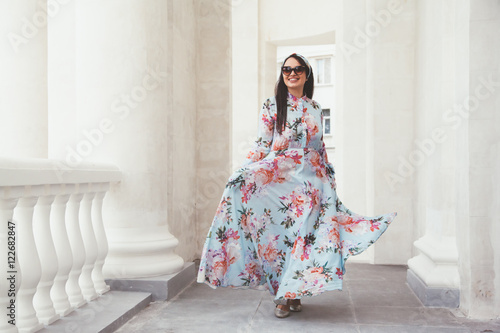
(279, 224)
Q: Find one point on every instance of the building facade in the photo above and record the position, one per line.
(145, 107)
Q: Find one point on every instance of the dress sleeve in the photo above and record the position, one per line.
(262, 146)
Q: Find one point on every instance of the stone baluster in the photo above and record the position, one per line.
(90, 244)
(102, 242)
(77, 248)
(63, 252)
(7, 206)
(45, 245)
(29, 264)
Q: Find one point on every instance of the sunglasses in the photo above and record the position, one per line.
(287, 70)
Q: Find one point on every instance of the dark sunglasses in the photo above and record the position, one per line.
(287, 70)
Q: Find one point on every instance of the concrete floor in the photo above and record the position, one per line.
(375, 298)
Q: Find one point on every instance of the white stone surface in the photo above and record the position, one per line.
(46, 272)
(23, 88)
(437, 261)
(481, 283)
(213, 122)
(454, 195)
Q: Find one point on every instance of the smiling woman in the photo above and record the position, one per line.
(280, 225)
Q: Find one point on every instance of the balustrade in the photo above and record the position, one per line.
(60, 241)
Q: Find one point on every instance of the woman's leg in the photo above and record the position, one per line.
(282, 309)
(295, 305)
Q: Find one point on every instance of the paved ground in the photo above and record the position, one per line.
(375, 299)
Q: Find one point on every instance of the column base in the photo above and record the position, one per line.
(162, 288)
(442, 297)
(141, 252)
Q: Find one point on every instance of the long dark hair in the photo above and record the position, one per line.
(281, 92)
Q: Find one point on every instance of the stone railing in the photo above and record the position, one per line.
(52, 239)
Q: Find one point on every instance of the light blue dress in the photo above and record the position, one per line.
(279, 224)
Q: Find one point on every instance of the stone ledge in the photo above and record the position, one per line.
(104, 315)
(162, 288)
(433, 297)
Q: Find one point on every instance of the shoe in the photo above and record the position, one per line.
(282, 311)
(295, 305)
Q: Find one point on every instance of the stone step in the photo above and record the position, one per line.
(162, 288)
(104, 315)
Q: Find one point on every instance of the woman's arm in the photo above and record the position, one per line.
(262, 146)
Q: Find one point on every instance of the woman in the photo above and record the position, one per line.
(280, 225)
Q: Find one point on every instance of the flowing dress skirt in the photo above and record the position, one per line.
(279, 224)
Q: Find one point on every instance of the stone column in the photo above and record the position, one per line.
(479, 242)
(246, 72)
(373, 121)
(23, 88)
(122, 108)
(433, 272)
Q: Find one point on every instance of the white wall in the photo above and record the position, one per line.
(182, 127)
(213, 119)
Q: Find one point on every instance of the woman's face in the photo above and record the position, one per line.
(294, 81)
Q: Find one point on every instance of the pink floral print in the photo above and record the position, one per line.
(280, 224)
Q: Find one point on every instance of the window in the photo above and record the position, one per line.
(323, 73)
(326, 122)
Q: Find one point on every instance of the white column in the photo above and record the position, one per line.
(246, 101)
(374, 103)
(8, 235)
(77, 248)
(433, 272)
(90, 244)
(63, 251)
(480, 234)
(48, 259)
(102, 242)
(124, 121)
(29, 265)
(351, 95)
(23, 88)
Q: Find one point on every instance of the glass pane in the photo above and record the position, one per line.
(319, 70)
(327, 126)
(326, 112)
(327, 71)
